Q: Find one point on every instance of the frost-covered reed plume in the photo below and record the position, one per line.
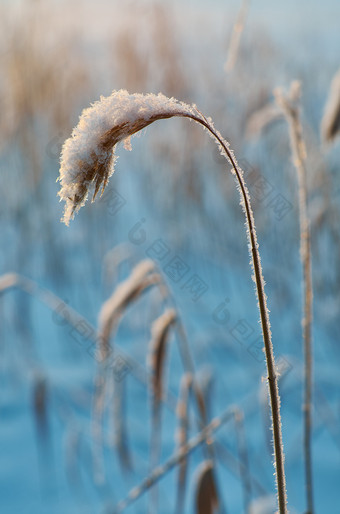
(88, 157)
(87, 162)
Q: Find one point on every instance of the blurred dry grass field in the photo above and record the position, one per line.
(91, 446)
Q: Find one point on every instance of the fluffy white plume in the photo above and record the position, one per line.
(87, 158)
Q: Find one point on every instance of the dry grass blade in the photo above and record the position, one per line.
(87, 160)
(290, 107)
(182, 435)
(330, 124)
(206, 499)
(157, 354)
(173, 461)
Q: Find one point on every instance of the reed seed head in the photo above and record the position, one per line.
(142, 277)
(88, 156)
(160, 332)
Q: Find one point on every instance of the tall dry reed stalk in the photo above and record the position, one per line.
(330, 124)
(160, 331)
(290, 107)
(236, 36)
(142, 277)
(198, 389)
(87, 162)
(182, 412)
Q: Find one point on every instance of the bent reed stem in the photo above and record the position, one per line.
(291, 112)
(265, 324)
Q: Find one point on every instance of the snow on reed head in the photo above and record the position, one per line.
(88, 156)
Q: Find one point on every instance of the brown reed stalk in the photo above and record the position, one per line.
(141, 278)
(87, 162)
(182, 412)
(199, 389)
(206, 499)
(189, 366)
(205, 386)
(187, 359)
(160, 332)
(173, 461)
(264, 316)
(330, 124)
(290, 107)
